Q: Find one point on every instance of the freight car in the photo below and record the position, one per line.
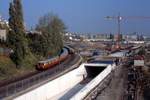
(70, 50)
(48, 63)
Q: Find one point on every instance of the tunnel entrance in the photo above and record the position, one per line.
(92, 71)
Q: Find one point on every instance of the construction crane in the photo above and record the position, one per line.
(119, 19)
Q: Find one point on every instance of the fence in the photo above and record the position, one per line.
(17, 88)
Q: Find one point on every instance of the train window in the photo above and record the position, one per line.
(40, 64)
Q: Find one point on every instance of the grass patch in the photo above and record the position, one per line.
(8, 69)
(29, 63)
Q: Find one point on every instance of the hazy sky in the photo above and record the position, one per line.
(87, 15)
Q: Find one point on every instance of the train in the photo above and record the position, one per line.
(51, 62)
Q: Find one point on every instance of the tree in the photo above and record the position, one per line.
(16, 37)
(11, 36)
(36, 44)
(52, 29)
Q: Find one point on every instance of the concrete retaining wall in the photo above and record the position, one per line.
(56, 86)
(90, 86)
(64, 83)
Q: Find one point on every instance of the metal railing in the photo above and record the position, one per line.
(22, 86)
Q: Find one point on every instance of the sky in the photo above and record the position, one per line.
(87, 16)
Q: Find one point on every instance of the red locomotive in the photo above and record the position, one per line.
(48, 63)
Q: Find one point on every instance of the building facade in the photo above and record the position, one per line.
(3, 34)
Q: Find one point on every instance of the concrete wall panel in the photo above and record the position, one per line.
(55, 87)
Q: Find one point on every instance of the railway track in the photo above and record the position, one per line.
(15, 79)
(11, 87)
